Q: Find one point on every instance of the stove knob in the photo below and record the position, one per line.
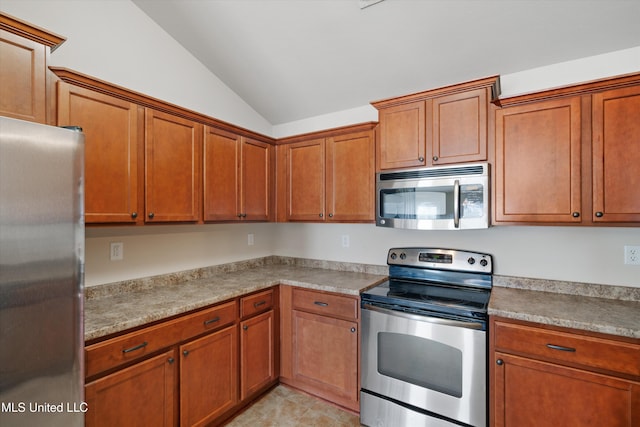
(403, 256)
(393, 255)
(484, 262)
(471, 260)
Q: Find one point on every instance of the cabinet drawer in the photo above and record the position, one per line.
(557, 346)
(326, 304)
(109, 354)
(256, 303)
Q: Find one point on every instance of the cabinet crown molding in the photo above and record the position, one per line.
(24, 29)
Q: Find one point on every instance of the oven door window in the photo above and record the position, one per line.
(431, 203)
(423, 362)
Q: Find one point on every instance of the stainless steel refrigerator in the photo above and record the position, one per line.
(41, 275)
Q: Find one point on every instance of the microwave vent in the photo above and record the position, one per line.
(433, 172)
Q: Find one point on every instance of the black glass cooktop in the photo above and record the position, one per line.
(430, 298)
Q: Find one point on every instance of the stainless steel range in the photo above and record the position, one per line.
(424, 340)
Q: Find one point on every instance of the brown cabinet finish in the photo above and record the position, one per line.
(458, 131)
(616, 155)
(547, 375)
(208, 377)
(258, 354)
(173, 148)
(113, 144)
(237, 177)
(142, 394)
(331, 179)
(24, 78)
(538, 162)
(402, 136)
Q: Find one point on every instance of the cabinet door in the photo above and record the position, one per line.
(111, 153)
(221, 175)
(459, 128)
(350, 169)
(140, 395)
(172, 174)
(257, 350)
(616, 155)
(325, 357)
(532, 393)
(538, 149)
(256, 182)
(402, 136)
(208, 377)
(22, 78)
(305, 181)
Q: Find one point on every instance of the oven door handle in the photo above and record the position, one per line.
(430, 319)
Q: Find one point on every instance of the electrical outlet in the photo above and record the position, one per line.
(250, 239)
(632, 255)
(116, 251)
(345, 240)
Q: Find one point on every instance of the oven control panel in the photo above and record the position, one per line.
(441, 259)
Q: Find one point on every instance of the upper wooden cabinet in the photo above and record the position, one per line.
(616, 155)
(113, 158)
(538, 156)
(25, 89)
(329, 179)
(569, 155)
(237, 177)
(173, 153)
(442, 126)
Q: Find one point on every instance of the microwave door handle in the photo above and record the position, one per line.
(456, 204)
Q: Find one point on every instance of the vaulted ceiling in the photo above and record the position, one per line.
(294, 59)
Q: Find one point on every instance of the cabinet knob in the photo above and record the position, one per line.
(421, 159)
(245, 327)
(239, 215)
(244, 215)
(185, 352)
(151, 215)
(134, 215)
(171, 360)
(353, 329)
(435, 158)
(576, 214)
(330, 215)
(499, 362)
(599, 214)
(321, 215)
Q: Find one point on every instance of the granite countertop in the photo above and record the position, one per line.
(114, 308)
(596, 308)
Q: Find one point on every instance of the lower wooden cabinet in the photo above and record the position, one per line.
(208, 377)
(544, 376)
(257, 349)
(140, 395)
(320, 344)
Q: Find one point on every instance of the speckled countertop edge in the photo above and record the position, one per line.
(116, 307)
(596, 308)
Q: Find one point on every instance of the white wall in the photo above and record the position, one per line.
(115, 41)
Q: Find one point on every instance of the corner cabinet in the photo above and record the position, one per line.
(237, 176)
(329, 178)
(557, 376)
(437, 127)
(320, 352)
(25, 83)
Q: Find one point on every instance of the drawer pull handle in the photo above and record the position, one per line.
(258, 304)
(210, 321)
(561, 348)
(138, 347)
(321, 304)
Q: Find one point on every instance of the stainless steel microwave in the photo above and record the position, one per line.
(437, 198)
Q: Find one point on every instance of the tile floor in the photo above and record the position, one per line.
(285, 407)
